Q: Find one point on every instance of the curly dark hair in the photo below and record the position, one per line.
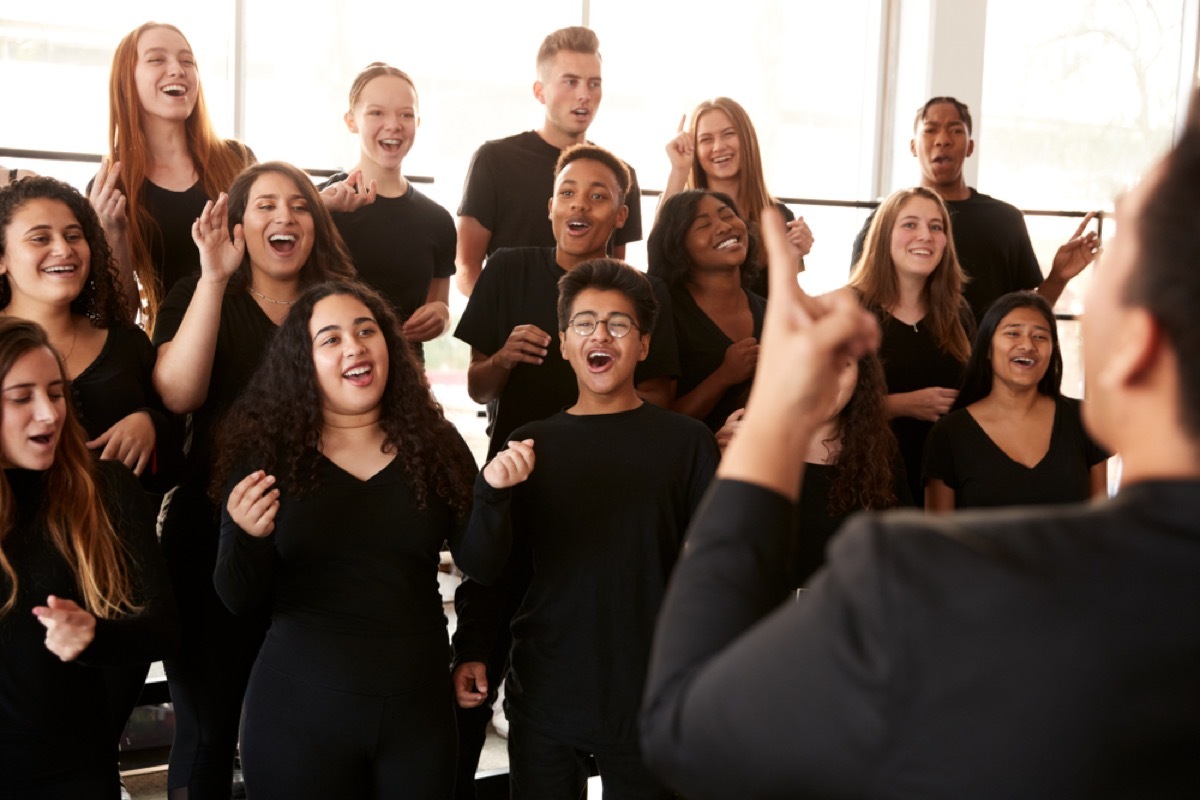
(101, 300)
(978, 374)
(329, 259)
(864, 475)
(276, 423)
(666, 249)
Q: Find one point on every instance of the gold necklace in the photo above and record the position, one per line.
(262, 296)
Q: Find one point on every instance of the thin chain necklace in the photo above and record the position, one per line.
(262, 296)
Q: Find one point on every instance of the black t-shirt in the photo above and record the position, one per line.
(119, 382)
(509, 184)
(911, 361)
(993, 248)
(520, 287)
(399, 245)
(602, 543)
(961, 454)
(172, 252)
(702, 345)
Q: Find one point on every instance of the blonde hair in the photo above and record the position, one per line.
(217, 161)
(72, 509)
(874, 276)
(575, 39)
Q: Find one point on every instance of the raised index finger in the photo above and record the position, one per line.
(781, 276)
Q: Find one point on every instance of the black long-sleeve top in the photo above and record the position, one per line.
(54, 715)
(598, 526)
(1045, 653)
(353, 562)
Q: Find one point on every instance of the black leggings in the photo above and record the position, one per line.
(207, 678)
(301, 740)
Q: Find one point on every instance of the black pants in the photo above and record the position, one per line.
(207, 678)
(541, 767)
(301, 740)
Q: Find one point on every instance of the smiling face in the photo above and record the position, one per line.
(584, 211)
(34, 407)
(278, 227)
(918, 238)
(46, 254)
(1021, 349)
(166, 77)
(718, 147)
(570, 88)
(350, 357)
(716, 239)
(385, 118)
(941, 144)
(604, 364)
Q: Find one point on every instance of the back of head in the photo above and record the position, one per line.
(574, 39)
(1166, 280)
(608, 275)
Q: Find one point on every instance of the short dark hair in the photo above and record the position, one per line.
(595, 153)
(964, 113)
(1166, 281)
(977, 376)
(666, 249)
(608, 275)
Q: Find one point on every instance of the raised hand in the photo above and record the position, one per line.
(800, 237)
(130, 441)
(1079, 251)
(349, 194)
(681, 148)
(740, 360)
(427, 322)
(220, 256)
(511, 466)
(69, 629)
(253, 504)
(525, 345)
(107, 199)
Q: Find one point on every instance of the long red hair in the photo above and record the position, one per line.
(217, 161)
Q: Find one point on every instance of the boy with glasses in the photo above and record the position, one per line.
(595, 500)
(507, 322)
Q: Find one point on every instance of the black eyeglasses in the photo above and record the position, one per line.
(619, 325)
